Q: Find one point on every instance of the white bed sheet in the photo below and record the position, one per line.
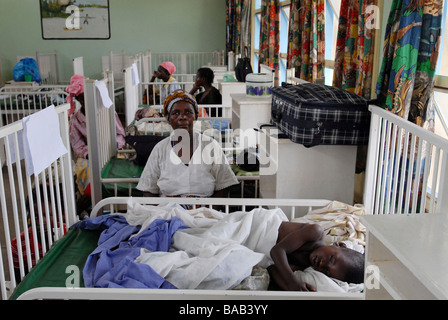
(217, 251)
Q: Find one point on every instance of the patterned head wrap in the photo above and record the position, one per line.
(176, 96)
(75, 88)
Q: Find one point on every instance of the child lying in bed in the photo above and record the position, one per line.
(218, 246)
(300, 246)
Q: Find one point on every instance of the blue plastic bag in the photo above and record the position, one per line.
(26, 66)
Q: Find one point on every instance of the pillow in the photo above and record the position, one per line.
(143, 146)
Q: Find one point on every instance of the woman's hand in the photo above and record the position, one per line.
(197, 85)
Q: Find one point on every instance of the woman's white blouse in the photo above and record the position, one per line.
(207, 171)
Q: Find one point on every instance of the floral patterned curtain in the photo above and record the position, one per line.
(230, 25)
(270, 36)
(306, 39)
(238, 14)
(411, 47)
(355, 47)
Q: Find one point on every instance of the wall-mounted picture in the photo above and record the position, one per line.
(75, 19)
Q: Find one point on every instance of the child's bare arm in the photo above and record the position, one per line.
(282, 272)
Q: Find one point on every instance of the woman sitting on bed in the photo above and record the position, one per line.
(165, 73)
(210, 95)
(187, 163)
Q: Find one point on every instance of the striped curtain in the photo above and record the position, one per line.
(270, 36)
(306, 39)
(411, 47)
(355, 47)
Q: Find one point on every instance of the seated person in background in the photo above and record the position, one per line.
(78, 128)
(301, 245)
(164, 72)
(78, 134)
(187, 163)
(210, 95)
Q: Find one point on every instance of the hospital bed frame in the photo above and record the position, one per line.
(289, 207)
(101, 139)
(185, 62)
(48, 66)
(134, 93)
(385, 129)
(407, 167)
(15, 189)
(18, 101)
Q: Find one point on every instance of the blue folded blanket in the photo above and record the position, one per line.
(111, 264)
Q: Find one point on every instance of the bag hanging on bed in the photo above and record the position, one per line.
(143, 146)
(243, 67)
(315, 114)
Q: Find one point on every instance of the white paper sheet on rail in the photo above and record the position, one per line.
(104, 93)
(135, 77)
(42, 140)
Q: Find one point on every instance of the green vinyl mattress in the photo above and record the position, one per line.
(67, 256)
(121, 168)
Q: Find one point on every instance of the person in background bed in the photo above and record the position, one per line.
(165, 73)
(78, 137)
(210, 95)
(301, 245)
(187, 163)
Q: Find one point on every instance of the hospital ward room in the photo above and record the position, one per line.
(224, 150)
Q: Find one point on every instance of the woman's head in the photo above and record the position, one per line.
(206, 75)
(165, 70)
(181, 110)
(75, 89)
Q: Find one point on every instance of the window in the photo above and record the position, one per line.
(331, 21)
(331, 31)
(441, 80)
(332, 8)
(256, 37)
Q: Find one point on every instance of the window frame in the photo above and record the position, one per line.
(329, 63)
(440, 80)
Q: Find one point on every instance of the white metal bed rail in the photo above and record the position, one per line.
(406, 170)
(130, 181)
(221, 131)
(17, 202)
(32, 86)
(291, 205)
(186, 62)
(101, 137)
(115, 62)
(136, 93)
(78, 65)
(179, 294)
(17, 102)
(151, 88)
